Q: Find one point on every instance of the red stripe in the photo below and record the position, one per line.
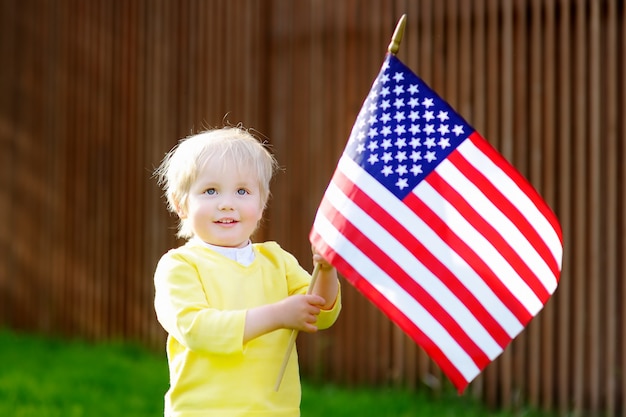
(387, 264)
(490, 233)
(508, 207)
(491, 153)
(425, 257)
(469, 256)
(394, 314)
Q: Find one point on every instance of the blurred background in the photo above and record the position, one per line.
(93, 93)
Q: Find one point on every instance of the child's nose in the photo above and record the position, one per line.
(225, 204)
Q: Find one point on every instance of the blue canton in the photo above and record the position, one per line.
(404, 129)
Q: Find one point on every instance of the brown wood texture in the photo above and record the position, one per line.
(93, 93)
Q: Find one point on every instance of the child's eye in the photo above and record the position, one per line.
(210, 191)
(242, 191)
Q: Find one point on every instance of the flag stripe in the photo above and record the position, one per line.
(480, 245)
(484, 221)
(498, 199)
(387, 294)
(454, 288)
(516, 189)
(483, 274)
(509, 312)
(456, 319)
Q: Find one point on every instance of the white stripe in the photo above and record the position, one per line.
(483, 248)
(513, 193)
(416, 270)
(466, 275)
(494, 216)
(400, 298)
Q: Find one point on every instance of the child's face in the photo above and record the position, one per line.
(224, 205)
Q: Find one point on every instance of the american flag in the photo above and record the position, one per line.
(436, 228)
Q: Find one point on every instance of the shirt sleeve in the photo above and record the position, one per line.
(183, 311)
(299, 280)
(327, 318)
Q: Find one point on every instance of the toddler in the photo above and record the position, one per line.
(229, 305)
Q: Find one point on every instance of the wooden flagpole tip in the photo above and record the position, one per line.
(394, 45)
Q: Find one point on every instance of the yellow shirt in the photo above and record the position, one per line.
(201, 301)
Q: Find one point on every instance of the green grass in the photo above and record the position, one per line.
(45, 377)
(49, 377)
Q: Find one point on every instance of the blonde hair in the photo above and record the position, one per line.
(225, 146)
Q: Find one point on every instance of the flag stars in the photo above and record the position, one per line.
(444, 143)
(401, 170)
(416, 156)
(458, 130)
(403, 131)
(400, 129)
(429, 129)
(416, 170)
(442, 116)
(402, 183)
(372, 159)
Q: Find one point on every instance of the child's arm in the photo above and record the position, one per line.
(297, 312)
(327, 284)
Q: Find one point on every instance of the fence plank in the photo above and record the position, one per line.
(608, 296)
(565, 205)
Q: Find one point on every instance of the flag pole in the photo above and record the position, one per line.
(294, 333)
(394, 45)
(393, 49)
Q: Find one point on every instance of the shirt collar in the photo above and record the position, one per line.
(244, 255)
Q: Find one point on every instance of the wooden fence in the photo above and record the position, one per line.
(93, 93)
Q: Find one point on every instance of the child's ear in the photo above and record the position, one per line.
(180, 210)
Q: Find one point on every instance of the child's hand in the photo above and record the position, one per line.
(299, 312)
(318, 259)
